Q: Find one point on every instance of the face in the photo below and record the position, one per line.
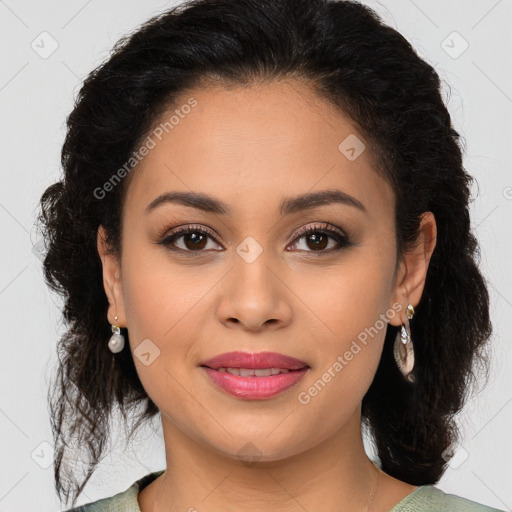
(196, 283)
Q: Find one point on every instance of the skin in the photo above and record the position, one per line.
(250, 148)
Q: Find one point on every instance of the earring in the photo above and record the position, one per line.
(403, 348)
(116, 341)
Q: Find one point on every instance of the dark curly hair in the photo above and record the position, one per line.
(367, 70)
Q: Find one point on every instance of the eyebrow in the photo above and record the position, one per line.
(288, 206)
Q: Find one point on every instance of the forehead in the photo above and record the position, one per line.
(250, 146)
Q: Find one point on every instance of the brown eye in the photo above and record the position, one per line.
(317, 239)
(193, 240)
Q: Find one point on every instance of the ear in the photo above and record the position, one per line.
(111, 280)
(412, 270)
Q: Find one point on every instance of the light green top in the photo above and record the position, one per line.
(426, 498)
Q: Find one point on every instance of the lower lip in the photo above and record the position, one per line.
(255, 388)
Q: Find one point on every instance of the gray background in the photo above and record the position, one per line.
(40, 74)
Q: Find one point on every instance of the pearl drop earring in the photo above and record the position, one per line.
(116, 341)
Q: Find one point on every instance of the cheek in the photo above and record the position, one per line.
(164, 306)
(348, 314)
(345, 300)
(158, 295)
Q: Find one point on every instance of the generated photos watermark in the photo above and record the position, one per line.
(144, 149)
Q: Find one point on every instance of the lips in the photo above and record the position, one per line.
(255, 361)
(254, 376)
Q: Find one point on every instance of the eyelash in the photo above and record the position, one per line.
(337, 234)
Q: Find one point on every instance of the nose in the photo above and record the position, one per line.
(254, 296)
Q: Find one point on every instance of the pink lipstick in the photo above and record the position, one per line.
(254, 376)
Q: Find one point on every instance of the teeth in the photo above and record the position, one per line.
(253, 372)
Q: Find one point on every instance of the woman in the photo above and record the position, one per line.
(263, 234)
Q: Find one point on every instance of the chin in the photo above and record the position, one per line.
(262, 448)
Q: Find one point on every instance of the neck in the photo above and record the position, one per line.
(335, 474)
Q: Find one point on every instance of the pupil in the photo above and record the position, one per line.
(196, 240)
(316, 238)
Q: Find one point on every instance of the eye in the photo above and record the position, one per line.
(194, 239)
(317, 238)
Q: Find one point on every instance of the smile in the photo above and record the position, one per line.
(254, 376)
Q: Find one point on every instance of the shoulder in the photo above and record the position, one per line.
(428, 498)
(125, 501)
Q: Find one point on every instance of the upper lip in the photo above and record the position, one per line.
(254, 360)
